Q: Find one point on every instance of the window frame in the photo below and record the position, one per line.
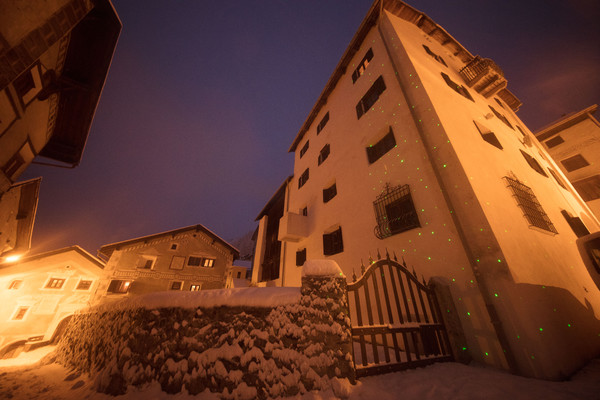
(533, 163)
(333, 242)
(394, 196)
(50, 283)
(91, 282)
(460, 89)
(530, 206)
(15, 284)
(122, 288)
(381, 147)
(304, 149)
(362, 65)
(574, 163)
(18, 310)
(300, 257)
(323, 123)
(303, 178)
(370, 97)
(329, 193)
(324, 154)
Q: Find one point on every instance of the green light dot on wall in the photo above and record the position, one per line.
(471, 280)
(518, 337)
(477, 260)
(444, 165)
(464, 348)
(422, 209)
(541, 329)
(460, 299)
(468, 313)
(486, 353)
(533, 357)
(432, 232)
(543, 287)
(453, 280)
(449, 240)
(447, 310)
(419, 233)
(499, 260)
(496, 294)
(429, 258)
(569, 325)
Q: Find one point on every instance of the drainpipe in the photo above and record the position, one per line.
(415, 112)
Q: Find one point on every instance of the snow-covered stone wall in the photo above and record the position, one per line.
(238, 351)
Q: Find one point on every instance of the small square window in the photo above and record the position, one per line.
(176, 285)
(488, 135)
(501, 117)
(194, 261)
(195, 287)
(395, 211)
(174, 246)
(84, 285)
(333, 242)
(305, 211)
(20, 313)
(146, 263)
(432, 54)
(208, 263)
(15, 284)
(574, 163)
(55, 283)
(300, 257)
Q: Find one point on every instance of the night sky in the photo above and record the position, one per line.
(204, 98)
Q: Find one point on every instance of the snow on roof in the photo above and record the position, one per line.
(322, 268)
(247, 297)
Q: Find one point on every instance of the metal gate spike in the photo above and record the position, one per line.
(403, 262)
(387, 255)
(378, 254)
(395, 257)
(353, 275)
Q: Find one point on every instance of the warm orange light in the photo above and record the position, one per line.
(12, 258)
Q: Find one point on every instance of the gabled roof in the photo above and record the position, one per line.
(565, 122)
(108, 249)
(7, 267)
(410, 14)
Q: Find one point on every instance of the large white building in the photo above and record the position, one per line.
(414, 146)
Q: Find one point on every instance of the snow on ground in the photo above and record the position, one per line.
(26, 378)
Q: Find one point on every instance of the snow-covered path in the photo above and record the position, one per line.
(437, 382)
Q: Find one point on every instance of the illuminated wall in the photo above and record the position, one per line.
(466, 159)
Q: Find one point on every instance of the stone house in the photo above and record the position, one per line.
(190, 258)
(39, 292)
(414, 146)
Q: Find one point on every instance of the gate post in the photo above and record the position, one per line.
(324, 293)
(456, 334)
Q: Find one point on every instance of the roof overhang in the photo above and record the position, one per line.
(565, 122)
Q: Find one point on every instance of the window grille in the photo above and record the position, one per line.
(529, 204)
(369, 99)
(323, 123)
(395, 211)
(379, 149)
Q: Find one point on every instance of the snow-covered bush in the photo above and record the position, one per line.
(238, 351)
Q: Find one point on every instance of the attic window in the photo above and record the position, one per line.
(555, 141)
(323, 123)
(533, 163)
(488, 135)
(574, 163)
(432, 54)
(303, 178)
(323, 154)
(379, 149)
(304, 149)
(174, 246)
(84, 285)
(529, 205)
(371, 97)
(501, 117)
(457, 88)
(362, 66)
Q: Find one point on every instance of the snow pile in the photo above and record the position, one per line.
(322, 268)
(241, 352)
(246, 297)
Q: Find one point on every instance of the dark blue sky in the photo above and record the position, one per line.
(203, 99)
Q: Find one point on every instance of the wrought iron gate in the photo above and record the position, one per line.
(396, 322)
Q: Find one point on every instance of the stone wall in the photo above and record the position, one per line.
(240, 352)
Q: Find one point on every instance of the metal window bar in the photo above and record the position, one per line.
(394, 211)
(529, 204)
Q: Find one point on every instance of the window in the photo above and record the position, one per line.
(456, 87)
(379, 149)
(329, 193)
(173, 246)
(324, 153)
(501, 117)
(488, 135)
(24, 83)
(574, 163)
(84, 285)
(576, 224)
(530, 206)
(499, 102)
(13, 165)
(555, 141)
(589, 188)
(146, 263)
(55, 283)
(176, 285)
(118, 286)
(303, 149)
(239, 274)
(592, 248)
(20, 313)
(15, 284)
(208, 263)
(557, 178)
(300, 257)
(303, 178)
(305, 211)
(369, 99)
(195, 287)
(533, 163)
(432, 54)
(323, 123)
(333, 243)
(522, 132)
(395, 211)
(194, 261)
(362, 65)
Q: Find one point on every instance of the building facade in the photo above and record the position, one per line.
(190, 258)
(41, 291)
(414, 147)
(574, 143)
